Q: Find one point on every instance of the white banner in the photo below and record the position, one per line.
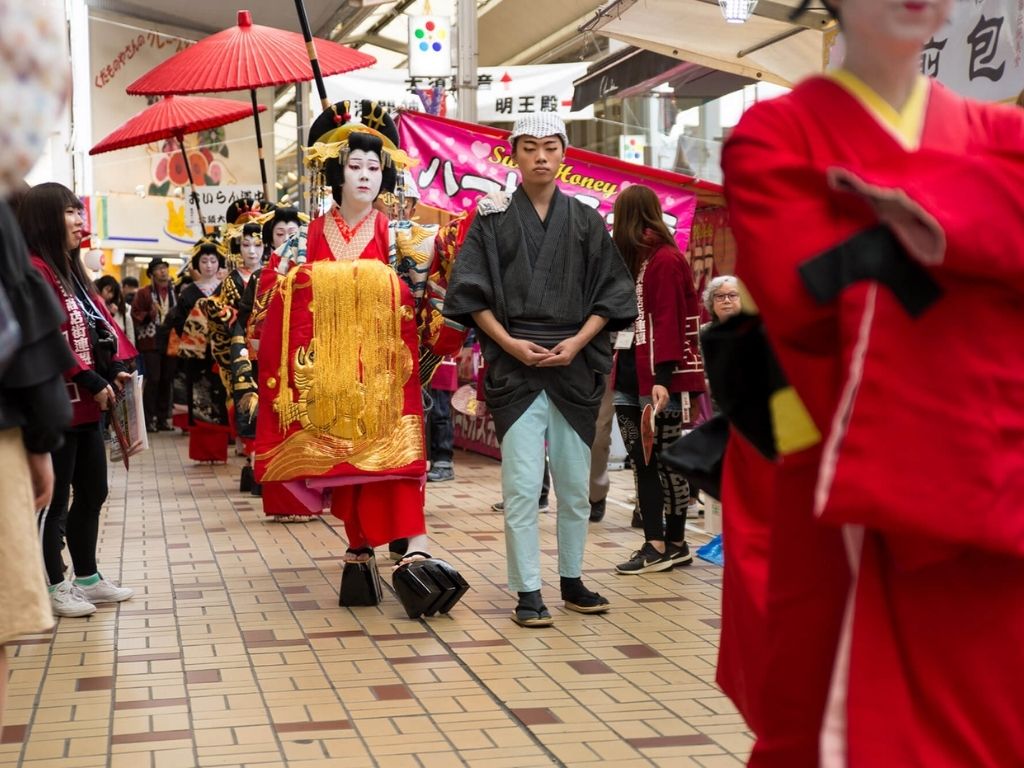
(980, 51)
(214, 202)
(503, 93)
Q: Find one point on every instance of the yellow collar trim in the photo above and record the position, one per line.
(905, 125)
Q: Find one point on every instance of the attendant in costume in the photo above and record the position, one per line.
(341, 417)
(540, 278)
(50, 217)
(898, 207)
(283, 224)
(658, 363)
(244, 235)
(202, 353)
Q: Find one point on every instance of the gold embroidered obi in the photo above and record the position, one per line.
(338, 388)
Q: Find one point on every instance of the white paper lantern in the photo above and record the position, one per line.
(737, 11)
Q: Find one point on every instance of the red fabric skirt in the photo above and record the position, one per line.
(373, 513)
(208, 442)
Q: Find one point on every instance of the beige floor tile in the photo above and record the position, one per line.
(235, 638)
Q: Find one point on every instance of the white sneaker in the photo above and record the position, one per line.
(65, 600)
(104, 592)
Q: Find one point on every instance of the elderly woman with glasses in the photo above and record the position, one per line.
(722, 298)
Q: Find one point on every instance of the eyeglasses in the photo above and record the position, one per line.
(720, 297)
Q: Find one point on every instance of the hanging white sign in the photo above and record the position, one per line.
(980, 51)
(430, 46)
(503, 93)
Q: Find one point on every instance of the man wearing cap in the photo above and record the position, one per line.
(541, 280)
(149, 308)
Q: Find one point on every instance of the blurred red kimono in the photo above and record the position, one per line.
(364, 455)
(878, 577)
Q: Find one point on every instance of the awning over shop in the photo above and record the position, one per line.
(207, 17)
(634, 70)
(767, 47)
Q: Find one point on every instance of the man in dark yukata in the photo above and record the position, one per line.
(540, 278)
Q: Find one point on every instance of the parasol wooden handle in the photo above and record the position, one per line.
(192, 184)
(300, 8)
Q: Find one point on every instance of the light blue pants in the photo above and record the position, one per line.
(522, 467)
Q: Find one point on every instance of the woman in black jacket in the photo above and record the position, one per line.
(34, 412)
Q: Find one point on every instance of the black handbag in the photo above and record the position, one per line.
(744, 373)
(360, 584)
(698, 455)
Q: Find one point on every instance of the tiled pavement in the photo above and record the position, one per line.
(234, 652)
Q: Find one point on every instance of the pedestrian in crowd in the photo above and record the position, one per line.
(658, 363)
(722, 298)
(129, 287)
(543, 320)
(878, 226)
(439, 422)
(34, 414)
(150, 307)
(50, 217)
(110, 291)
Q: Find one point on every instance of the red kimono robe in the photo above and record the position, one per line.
(375, 486)
(884, 614)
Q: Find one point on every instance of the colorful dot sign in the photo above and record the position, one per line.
(430, 37)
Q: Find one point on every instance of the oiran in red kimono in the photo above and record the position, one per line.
(341, 414)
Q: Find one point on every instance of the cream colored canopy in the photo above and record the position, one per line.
(767, 47)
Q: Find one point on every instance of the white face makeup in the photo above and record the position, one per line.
(252, 251)
(282, 231)
(363, 177)
(208, 265)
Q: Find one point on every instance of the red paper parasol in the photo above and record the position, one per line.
(243, 58)
(173, 117)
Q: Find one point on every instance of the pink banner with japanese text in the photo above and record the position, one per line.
(459, 162)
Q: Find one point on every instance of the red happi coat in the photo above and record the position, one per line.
(668, 323)
(75, 330)
(392, 496)
(922, 461)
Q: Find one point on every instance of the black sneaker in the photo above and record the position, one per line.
(646, 560)
(637, 520)
(597, 509)
(679, 555)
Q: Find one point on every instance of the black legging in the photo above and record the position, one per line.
(79, 465)
(662, 493)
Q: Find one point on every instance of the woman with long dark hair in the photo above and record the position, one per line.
(50, 217)
(658, 363)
